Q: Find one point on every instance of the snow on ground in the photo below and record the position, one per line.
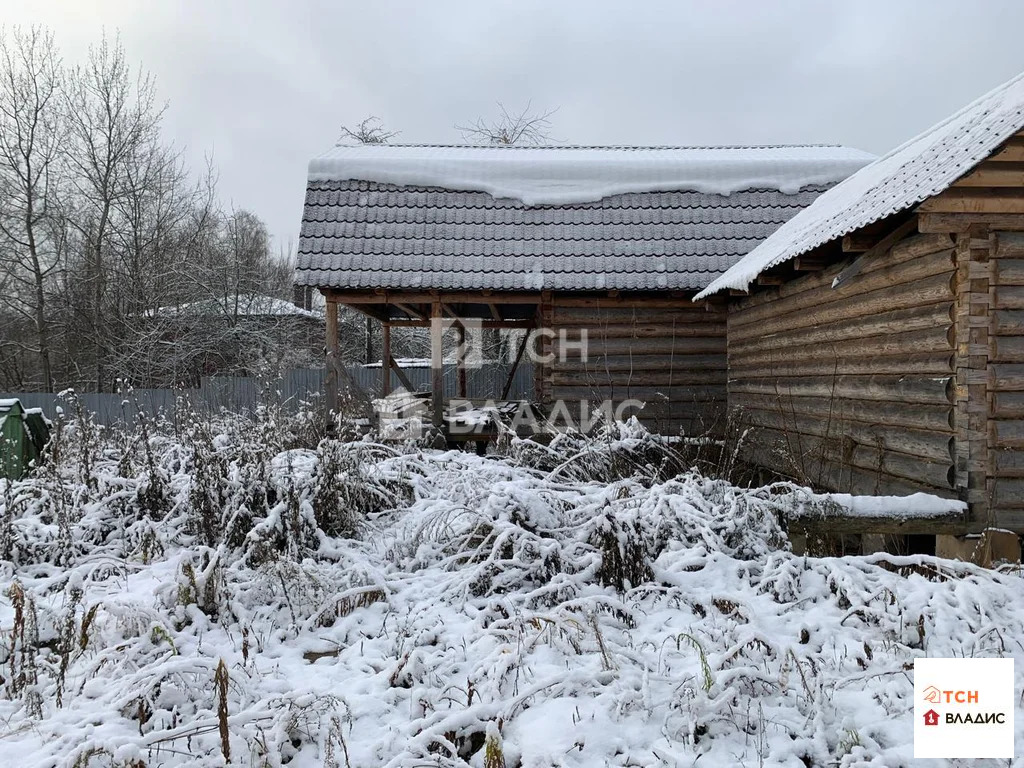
(356, 604)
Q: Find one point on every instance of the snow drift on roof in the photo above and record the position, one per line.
(922, 167)
(566, 175)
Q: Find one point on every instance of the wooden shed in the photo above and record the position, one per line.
(595, 251)
(876, 340)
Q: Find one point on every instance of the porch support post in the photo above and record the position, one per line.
(332, 361)
(461, 361)
(437, 362)
(385, 360)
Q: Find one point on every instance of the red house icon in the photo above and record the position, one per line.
(931, 717)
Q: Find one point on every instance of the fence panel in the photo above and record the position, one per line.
(238, 394)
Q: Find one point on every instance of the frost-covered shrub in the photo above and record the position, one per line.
(365, 605)
(612, 451)
(346, 488)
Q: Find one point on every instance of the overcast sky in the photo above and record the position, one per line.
(264, 85)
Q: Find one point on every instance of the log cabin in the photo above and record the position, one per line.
(595, 251)
(876, 339)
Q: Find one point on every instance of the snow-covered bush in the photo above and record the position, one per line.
(222, 592)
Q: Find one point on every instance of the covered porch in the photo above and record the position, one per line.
(450, 317)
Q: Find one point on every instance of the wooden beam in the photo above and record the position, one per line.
(423, 297)
(437, 363)
(409, 387)
(881, 246)
(940, 223)
(976, 200)
(482, 324)
(376, 313)
(460, 362)
(809, 264)
(840, 524)
(511, 374)
(411, 311)
(1012, 152)
(385, 361)
(770, 280)
(858, 242)
(494, 310)
(987, 176)
(331, 382)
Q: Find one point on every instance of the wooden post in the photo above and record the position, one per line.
(461, 362)
(515, 365)
(437, 363)
(332, 362)
(385, 360)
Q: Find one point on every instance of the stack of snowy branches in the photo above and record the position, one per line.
(202, 594)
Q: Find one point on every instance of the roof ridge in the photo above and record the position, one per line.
(636, 147)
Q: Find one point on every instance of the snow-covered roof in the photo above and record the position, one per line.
(550, 218)
(248, 305)
(921, 168)
(574, 174)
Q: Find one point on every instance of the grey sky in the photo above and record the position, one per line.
(265, 85)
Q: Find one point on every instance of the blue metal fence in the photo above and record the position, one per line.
(238, 394)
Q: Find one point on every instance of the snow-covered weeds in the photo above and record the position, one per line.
(200, 593)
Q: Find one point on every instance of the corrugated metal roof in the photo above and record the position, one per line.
(366, 235)
(923, 167)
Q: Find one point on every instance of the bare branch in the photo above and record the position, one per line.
(510, 128)
(369, 131)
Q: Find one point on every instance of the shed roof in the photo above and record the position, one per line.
(559, 218)
(922, 167)
(240, 304)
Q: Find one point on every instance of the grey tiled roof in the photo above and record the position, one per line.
(360, 234)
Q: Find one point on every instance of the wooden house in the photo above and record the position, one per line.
(876, 340)
(596, 251)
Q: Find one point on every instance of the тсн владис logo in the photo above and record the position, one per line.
(956, 701)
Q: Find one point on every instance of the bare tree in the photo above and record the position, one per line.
(31, 133)
(369, 131)
(510, 128)
(111, 118)
(100, 218)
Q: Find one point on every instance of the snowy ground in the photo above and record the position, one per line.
(354, 605)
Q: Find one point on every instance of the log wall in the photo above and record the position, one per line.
(1005, 378)
(667, 353)
(852, 388)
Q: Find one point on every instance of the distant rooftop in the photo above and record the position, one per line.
(242, 305)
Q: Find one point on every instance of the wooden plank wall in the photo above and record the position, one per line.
(995, 187)
(666, 352)
(851, 388)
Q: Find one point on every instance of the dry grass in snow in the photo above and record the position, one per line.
(204, 596)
